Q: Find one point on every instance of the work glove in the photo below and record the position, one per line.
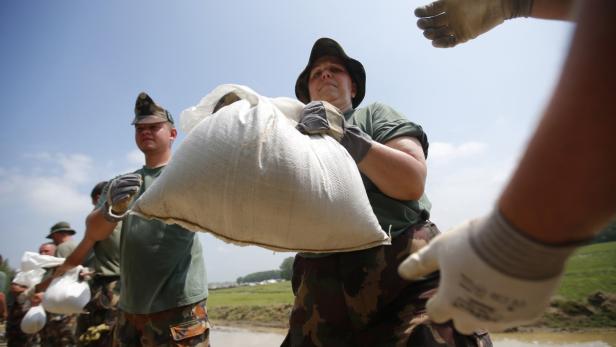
(450, 22)
(492, 276)
(120, 194)
(322, 118)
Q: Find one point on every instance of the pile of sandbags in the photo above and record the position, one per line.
(246, 175)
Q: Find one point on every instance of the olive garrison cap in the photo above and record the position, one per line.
(148, 112)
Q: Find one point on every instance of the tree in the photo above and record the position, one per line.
(608, 234)
(260, 276)
(286, 269)
(9, 274)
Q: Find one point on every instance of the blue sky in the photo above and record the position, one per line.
(71, 71)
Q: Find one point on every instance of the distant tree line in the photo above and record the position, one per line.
(285, 272)
(606, 235)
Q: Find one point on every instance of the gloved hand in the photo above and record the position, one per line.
(450, 22)
(120, 193)
(320, 117)
(492, 276)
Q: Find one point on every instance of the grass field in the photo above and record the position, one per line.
(591, 269)
(269, 294)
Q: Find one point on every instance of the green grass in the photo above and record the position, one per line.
(270, 294)
(592, 268)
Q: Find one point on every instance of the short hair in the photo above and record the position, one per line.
(98, 189)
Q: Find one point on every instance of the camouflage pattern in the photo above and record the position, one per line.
(147, 111)
(13, 334)
(358, 299)
(59, 331)
(94, 328)
(182, 326)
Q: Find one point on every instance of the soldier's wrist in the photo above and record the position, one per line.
(515, 254)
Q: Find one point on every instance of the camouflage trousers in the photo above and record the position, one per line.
(14, 336)
(59, 331)
(182, 326)
(358, 299)
(95, 327)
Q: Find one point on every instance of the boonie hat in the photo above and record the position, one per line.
(328, 47)
(61, 226)
(148, 112)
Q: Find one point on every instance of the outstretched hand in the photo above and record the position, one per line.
(474, 292)
(448, 23)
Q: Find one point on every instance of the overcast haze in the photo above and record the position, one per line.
(71, 71)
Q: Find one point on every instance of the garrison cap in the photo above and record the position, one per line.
(148, 112)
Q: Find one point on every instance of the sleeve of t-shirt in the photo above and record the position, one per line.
(388, 124)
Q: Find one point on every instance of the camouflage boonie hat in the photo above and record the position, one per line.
(148, 112)
(61, 226)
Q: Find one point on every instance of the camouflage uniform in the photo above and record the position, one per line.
(14, 336)
(59, 331)
(358, 299)
(95, 327)
(182, 326)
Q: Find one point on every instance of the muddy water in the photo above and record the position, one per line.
(231, 337)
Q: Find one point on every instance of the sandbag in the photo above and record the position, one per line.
(66, 294)
(34, 320)
(246, 175)
(33, 260)
(29, 278)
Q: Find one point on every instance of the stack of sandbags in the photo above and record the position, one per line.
(246, 175)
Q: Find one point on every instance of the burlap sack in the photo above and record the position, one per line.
(246, 175)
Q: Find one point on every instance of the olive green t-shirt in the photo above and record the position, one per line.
(161, 264)
(64, 249)
(107, 254)
(383, 124)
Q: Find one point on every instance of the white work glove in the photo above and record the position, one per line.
(492, 276)
(120, 194)
(450, 22)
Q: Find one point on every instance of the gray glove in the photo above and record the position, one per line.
(322, 118)
(450, 22)
(120, 194)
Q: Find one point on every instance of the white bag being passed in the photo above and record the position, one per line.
(33, 260)
(66, 294)
(246, 175)
(34, 320)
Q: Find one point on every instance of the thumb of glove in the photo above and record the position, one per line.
(420, 263)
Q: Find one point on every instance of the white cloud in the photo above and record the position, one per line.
(464, 189)
(51, 193)
(442, 152)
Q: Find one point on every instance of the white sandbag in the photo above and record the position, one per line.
(246, 175)
(34, 320)
(29, 278)
(66, 294)
(33, 260)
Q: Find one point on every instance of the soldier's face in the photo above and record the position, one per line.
(154, 137)
(46, 249)
(329, 81)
